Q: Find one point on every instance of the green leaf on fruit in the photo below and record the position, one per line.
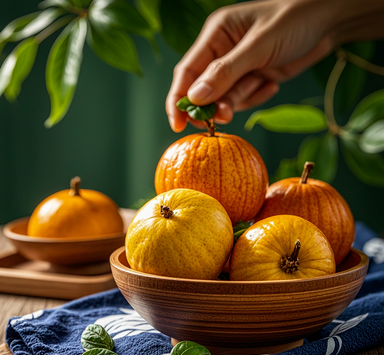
(95, 336)
(63, 69)
(324, 152)
(369, 168)
(199, 113)
(189, 348)
(289, 119)
(239, 229)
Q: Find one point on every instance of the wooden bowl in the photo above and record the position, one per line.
(68, 251)
(263, 316)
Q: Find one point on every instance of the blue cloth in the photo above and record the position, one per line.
(58, 331)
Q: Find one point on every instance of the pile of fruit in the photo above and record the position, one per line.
(208, 185)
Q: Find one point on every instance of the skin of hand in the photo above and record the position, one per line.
(245, 50)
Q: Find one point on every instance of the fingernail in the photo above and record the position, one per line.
(199, 92)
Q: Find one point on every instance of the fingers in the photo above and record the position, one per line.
(267, 91)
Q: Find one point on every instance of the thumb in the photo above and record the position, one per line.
(222, 73)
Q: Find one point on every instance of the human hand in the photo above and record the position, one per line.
(244, 51)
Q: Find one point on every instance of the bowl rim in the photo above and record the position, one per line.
(115, 262)
(10, 234)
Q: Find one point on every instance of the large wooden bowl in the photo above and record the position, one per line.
(68, 251)
(263, 316)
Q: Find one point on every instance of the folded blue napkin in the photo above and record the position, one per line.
(58, 331)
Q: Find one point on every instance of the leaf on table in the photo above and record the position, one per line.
(99, 351)
(113, 46)
(182, 21)
(352, 80)
(95, 336)
(189, 348)
(369, 168)
(372, 139)
(324, 152)
(368, 111)
(25, 55)
(63, 68)
(289, 119)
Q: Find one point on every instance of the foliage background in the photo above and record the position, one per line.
(116, 130)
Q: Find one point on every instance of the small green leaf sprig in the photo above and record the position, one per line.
(96, 341)
(361, 139)
(189, 348)
(199, 113)
(239, 229)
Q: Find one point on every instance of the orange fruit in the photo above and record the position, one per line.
(75, 213)
(223, 166)
(281, 248)
(316, 201)
(180, 233)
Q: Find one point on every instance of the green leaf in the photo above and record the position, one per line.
(368, 111)
(182, 21)
(372, 139)
(63, 68)
(189, 348)
(289, 119)
(239, 229)
(369, 168)
(150, 10)
(113, 46)
(29, 25)
(24, 54)
(287, 168)
(352, 81)
(200, 113)
(324, 152)
(120, 14)
(64, 4)
(95, 336)
(98, 351)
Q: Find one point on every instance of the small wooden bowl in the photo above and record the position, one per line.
(68, 251)
(263, 316)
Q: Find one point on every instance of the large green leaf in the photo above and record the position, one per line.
(64, 4)
(372, 139)
(368, 111)
(63, 68)
(287, 168)
(369, 168)
(289, 119)
(182, 21)
(324, 152)
(24, 55)
(120, 14)
(29, 25)
(150, 10)
(352, 80)
(113, 46)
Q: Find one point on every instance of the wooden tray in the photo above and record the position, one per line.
(37, 278)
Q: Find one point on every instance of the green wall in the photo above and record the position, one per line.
(116, 131)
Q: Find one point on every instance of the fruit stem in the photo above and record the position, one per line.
(210, 126)
(75, 186)
(290, 264)
(308, 166)
(166, 212)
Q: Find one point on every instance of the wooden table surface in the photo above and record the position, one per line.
(15, 305)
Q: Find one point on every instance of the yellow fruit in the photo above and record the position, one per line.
(281, 248)
(180, 233)
(75, 213)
